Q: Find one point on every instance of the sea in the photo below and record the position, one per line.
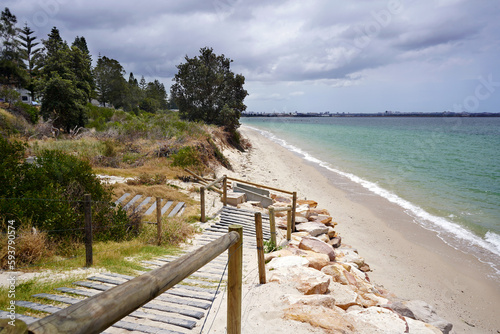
(442, 171)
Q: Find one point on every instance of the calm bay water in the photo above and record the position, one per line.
(445, 172)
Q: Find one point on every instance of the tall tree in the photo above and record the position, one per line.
(207, 90)
(110, 83)
(81, 65)
(11, 64)
(29, 53)
(156, 91)
(64, 92)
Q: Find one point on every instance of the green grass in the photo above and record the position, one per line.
(122, 258)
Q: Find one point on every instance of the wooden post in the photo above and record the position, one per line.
(158, 219)
(202, 203)
(289, 225)
(234, 282)
(272, 225)
(294, 207)
(224, 191)
(260, 248)
(88, 230)
(95, 314)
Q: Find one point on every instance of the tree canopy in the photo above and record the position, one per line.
(207, 90)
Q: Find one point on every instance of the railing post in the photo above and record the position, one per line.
(272, 225)
(289, 225)
(224, 191)
(158, 219)
(234, 282)
(202, 203)
(260, 248)
(294, 207)
(87, 204)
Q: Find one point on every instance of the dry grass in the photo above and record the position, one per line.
(162, 191)
(30, 246)
(175, 230)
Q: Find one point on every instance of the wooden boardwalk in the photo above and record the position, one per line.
(181, 309)
(148, 204)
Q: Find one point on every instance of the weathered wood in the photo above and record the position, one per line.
(88, 230)
(213, 183)
(158, 220)
(97, 313)
(289, 225)
(234, 282)
(224, 191)
(16, 326)
(203, 181)
(282, 208)
(202, 203)
(176, 209)
(294, 208)
(260, 248)
(119, 200)
(260, 185)
(272, 225)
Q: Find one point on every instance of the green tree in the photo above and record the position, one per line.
(110, 83)
(11, 65)
(63, 82)
(156, 91)
(205, 86)
(64, 103)
(81, 66)
(29, 53)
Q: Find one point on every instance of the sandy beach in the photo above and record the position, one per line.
(407, 260)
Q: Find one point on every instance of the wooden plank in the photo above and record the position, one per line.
(26, 319)
(170, 292)
(151, 209)
(189, 324)
(132, 201)
(119, 200)
(143, 203)
(166, 207)
(176, 209)
(150, 305)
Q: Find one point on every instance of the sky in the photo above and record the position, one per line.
(364, 56)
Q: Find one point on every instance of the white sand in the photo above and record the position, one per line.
(406, 259)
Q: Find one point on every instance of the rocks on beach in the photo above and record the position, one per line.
(332, 278)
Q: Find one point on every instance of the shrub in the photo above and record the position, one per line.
(49, 193)
(31, 112)
(185, 157)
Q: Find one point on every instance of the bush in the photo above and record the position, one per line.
(49, 194)
(31, 112)
(185, 157)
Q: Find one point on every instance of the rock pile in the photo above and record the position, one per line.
(336, 292)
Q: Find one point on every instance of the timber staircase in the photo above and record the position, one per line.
(181, 309)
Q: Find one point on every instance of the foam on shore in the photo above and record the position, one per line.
(486, 250)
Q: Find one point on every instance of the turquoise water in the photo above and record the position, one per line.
(445, 172)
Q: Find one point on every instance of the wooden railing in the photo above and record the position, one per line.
(95, 314)
(212, 186)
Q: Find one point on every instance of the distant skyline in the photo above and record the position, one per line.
(315, 56)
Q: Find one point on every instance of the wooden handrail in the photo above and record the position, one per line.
(95, 314)
(260, 185)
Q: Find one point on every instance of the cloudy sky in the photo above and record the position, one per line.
(306, 56)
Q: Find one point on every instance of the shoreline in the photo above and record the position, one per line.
(406, 259)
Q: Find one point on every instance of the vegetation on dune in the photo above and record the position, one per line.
(132, 133)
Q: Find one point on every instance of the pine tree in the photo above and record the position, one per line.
(29, 53)
(11, 64)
